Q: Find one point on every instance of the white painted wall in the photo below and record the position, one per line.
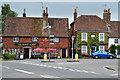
(111, 41)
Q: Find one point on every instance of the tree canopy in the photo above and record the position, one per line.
(7, 12)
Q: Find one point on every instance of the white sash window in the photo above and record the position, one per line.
(84, 36)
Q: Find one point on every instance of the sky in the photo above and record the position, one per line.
(65, 9)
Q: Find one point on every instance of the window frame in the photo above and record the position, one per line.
(56, 40)
(115, 41)
(102, 47)
(82, 49)
(15, 39)
(83, 37)
(100, 37)
(34, 39)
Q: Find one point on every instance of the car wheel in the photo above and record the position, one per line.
(96, 57)
(111, 57)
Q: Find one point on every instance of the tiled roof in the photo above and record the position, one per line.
(87, 23)
(33, 26)
(115, 29)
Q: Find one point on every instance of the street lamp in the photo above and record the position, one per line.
(72, 44)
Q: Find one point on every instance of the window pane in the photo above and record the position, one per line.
(116, 41)
(101, 36)
(34, 39)
(84, 49)
(56, 39)
(84, 36)
(101, 48)
(15, 39)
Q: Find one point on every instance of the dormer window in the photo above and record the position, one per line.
(34, 39)
(15, 39)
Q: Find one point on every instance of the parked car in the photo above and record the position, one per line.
(102, 54)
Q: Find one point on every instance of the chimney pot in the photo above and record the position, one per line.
(75, 10)
(24, 14)
(75, 14)
(46, 9)
(109, 10)
(24, 10)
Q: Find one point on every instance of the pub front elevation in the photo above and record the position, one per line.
(24, 34)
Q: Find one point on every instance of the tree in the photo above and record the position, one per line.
(7, 12)
(113, 48)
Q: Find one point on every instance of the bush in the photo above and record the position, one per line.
(7, 56)
(112, 49)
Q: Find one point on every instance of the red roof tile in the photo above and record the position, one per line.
(115, 29)
(90, 23)
(33, 27)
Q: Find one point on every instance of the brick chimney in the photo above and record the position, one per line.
(24, 14)
(107, 16)
(75, 14)
(45, 17)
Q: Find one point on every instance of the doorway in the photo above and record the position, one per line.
(63, 53)
(26, 53)
(93, 48)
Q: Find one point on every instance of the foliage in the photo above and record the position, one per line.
(9, 56)
(91, 41)
(118, 46)
(58, 55)
(7, 12)
(113, 48)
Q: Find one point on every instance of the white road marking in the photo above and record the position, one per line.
(71, 70)
(93, 72)
(49, 66)
(24, 71)
(59, 67)
(114, 74)
(60, 63)
(54, 67)
(85, 71)
(79, 71)
(48, 76)
(65, 68)
(4, 67)
(45, 65)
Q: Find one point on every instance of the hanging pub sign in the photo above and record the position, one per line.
(26, 44)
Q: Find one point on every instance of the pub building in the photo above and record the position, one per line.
(24, 34)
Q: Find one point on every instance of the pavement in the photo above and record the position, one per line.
(86, 68)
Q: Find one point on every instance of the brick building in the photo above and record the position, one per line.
(91, 32)
(24, 34)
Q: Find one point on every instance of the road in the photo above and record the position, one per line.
(86, 68)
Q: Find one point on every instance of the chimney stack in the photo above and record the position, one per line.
(75, 14)
(24, 14)
(45, 17)
(107, 16)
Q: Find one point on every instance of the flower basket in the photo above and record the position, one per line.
(102, 41)
(106, 49)
(84, 41)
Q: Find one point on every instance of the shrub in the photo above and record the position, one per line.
(112, 49)
(9, 56)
